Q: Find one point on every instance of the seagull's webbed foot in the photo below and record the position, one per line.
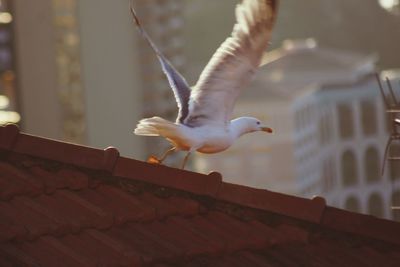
(154, 160)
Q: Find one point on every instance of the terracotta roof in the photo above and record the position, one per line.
(67, 205)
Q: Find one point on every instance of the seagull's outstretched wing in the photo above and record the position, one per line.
(233, 65)
(177, 82)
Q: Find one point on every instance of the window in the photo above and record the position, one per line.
(324, 129)
(375, 205)
(328, 176)
(368, 117)
(349, 168)
(321, 130)
(371, 164)
(346, 122)
(394, 165)
(352, 204)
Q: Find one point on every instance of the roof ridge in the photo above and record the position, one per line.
(11, 139)
(109, 160)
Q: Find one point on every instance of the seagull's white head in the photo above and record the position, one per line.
(248, 125)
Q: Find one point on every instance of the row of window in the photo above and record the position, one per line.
(372, 165)
(369, 119)
(376, 205)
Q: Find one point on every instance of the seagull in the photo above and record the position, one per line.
(204, 120)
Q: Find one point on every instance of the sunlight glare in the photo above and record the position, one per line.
(9, 117)
(4, 102)
(5, 17)
(389, 4)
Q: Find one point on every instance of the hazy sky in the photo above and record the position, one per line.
(356, 25)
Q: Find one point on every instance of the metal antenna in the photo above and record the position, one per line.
(392, 108)
(391, 92)
(378, 78)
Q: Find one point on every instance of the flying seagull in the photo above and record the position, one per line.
(204, 119)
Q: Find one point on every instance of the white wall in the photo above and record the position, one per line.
(110, 74)
(36, 68)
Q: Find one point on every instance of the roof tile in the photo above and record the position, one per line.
(75, 180)
(331, 253)
(85, 213)
(66, 252)
(278, 256)
(126, 208)
(129, 256)
(14, 182)
(16, 256)
(374, 257)
(362, 224)
(48, 254)
(65, 218)
(8, 136)
(67, 153)
(304, 209)
(22, 215)
(147, 243)
(49, 179)
(164, 176)
(293, 233)
(169, 206)
(55, 223)
(241, 230)
(253, 259)
(213, 243)
(112, 211)
(212, 231)
(9, 230)
(93, 249)
(183, 239)
(274, 237)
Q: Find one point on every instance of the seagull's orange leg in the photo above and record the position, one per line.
(185, 159)
(153, 159)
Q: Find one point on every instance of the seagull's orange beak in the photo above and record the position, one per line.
(266, 129)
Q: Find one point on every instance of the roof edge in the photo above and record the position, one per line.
(11, 139)
(310, 210)
(361, 224)
(161, 175)
(109, 160)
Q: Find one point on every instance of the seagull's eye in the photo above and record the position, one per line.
(258, 123)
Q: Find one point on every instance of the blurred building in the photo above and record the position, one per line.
(330, 129)
(8, 92)
(346, 148)
(86, 76)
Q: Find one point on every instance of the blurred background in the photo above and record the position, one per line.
(78, 71)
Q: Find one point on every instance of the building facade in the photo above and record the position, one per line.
(348, 141)
(330, 130)
(86, 75)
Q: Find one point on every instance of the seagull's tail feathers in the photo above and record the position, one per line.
(156, 126)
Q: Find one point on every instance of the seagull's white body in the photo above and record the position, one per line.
(203, 123)
(208, 138)
(204, 139)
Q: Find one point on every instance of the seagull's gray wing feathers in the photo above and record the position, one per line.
(233, 64)
(177, 82)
